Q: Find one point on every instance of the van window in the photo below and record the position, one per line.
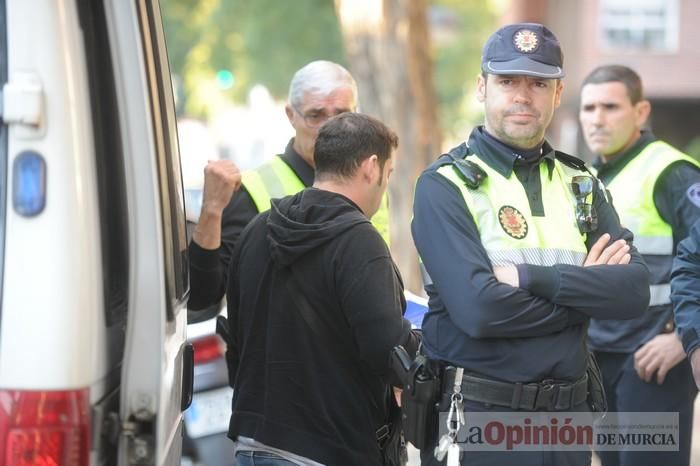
(3, 147)
(165, 130)
(110, 161)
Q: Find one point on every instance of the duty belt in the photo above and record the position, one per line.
(547, 395)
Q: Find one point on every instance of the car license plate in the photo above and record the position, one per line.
(209, 412)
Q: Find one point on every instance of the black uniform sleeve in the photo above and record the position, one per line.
(685, 289)
(601, 291)
(450, 247)
(676, 197)
(209, 267)
(371, 295)
(676, 202)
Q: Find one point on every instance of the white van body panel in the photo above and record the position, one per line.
(53, 279)
(54, 334)
(152, 372)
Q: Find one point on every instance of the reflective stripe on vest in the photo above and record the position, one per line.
(509, 232)
(659, 294)
(536, 256)
(275, 179)
(653, 245)
(633, 194)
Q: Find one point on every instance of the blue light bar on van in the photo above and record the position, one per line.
(29, 184)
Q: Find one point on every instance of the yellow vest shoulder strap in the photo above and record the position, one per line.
(273, 179)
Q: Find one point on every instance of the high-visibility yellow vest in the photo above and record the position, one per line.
(275, 179)
(509, 232)
(633, 194)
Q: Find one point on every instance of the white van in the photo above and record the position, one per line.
(94, 366)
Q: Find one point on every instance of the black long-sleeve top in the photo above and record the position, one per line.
(523, 334)
(209, 267)
(292, 391)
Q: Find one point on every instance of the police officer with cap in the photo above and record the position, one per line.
(521, 247)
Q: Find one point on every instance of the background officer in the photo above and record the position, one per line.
(507, 229)
(656, 191)
(318, 91)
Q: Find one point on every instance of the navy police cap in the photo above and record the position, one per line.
(523, 49)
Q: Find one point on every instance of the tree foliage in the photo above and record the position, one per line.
(259, 41)
(265, 41)
(457, 61)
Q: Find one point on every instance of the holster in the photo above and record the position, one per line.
(419, 403)
(596, 391)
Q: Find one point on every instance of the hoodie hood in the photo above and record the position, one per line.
(307, 220)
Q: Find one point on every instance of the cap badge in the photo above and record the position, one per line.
(512, 222)
(526, 41)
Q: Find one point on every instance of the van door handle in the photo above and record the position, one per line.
(187, 376)
(22, 105)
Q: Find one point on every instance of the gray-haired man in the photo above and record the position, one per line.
(318, 91)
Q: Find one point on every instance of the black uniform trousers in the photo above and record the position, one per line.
(626, 392)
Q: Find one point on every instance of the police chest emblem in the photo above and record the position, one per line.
(526, 41)
(512, 222)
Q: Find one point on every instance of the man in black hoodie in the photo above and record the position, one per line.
(314, 261)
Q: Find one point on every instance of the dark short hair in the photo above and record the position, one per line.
(344, 141)
(620, 74)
